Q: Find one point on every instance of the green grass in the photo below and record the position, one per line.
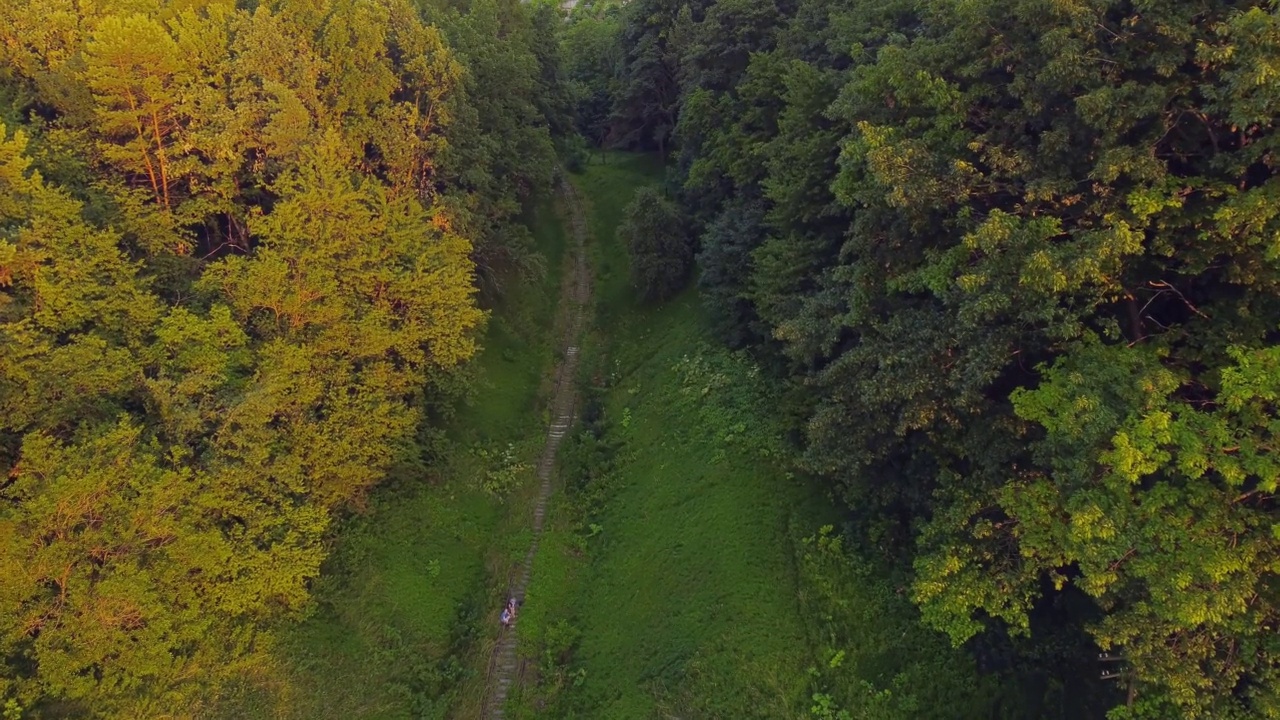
(608, 188)
(682, 598)
(676, 580)
(690, 599)
(687, 602)
(518, 347)
(405, 609)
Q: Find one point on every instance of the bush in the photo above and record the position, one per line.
(573, 153)
(657, 239)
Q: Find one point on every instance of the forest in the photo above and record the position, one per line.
(962, 316)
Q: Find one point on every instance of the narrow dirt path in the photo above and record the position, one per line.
(504, 665)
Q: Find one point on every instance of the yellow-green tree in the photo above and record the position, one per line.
(215, 336)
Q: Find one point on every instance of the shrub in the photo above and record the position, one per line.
(657, 239)
(573, 153)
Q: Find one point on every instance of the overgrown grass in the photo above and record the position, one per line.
(670, 583)
(405, 607)
(684, 573)
(689, 603)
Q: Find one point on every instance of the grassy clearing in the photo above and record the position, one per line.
(666, 583)
(685, 573)
(689, 603)
(405, 608)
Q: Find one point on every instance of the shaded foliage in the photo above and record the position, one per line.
(657, 242)
(1018, 255)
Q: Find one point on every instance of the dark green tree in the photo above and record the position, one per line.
(657, 243)
(1017, 254)
(592, 57)
(646, 103)
(725, 260)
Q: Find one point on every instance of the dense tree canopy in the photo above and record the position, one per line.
(1013, 266)
(238, 248)
(1016, 263)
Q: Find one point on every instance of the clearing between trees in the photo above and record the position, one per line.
(504, 666)
(683, 571)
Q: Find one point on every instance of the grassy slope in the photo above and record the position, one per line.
(687, 601)
(690, 600)
(678, 583)
(403, 610)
